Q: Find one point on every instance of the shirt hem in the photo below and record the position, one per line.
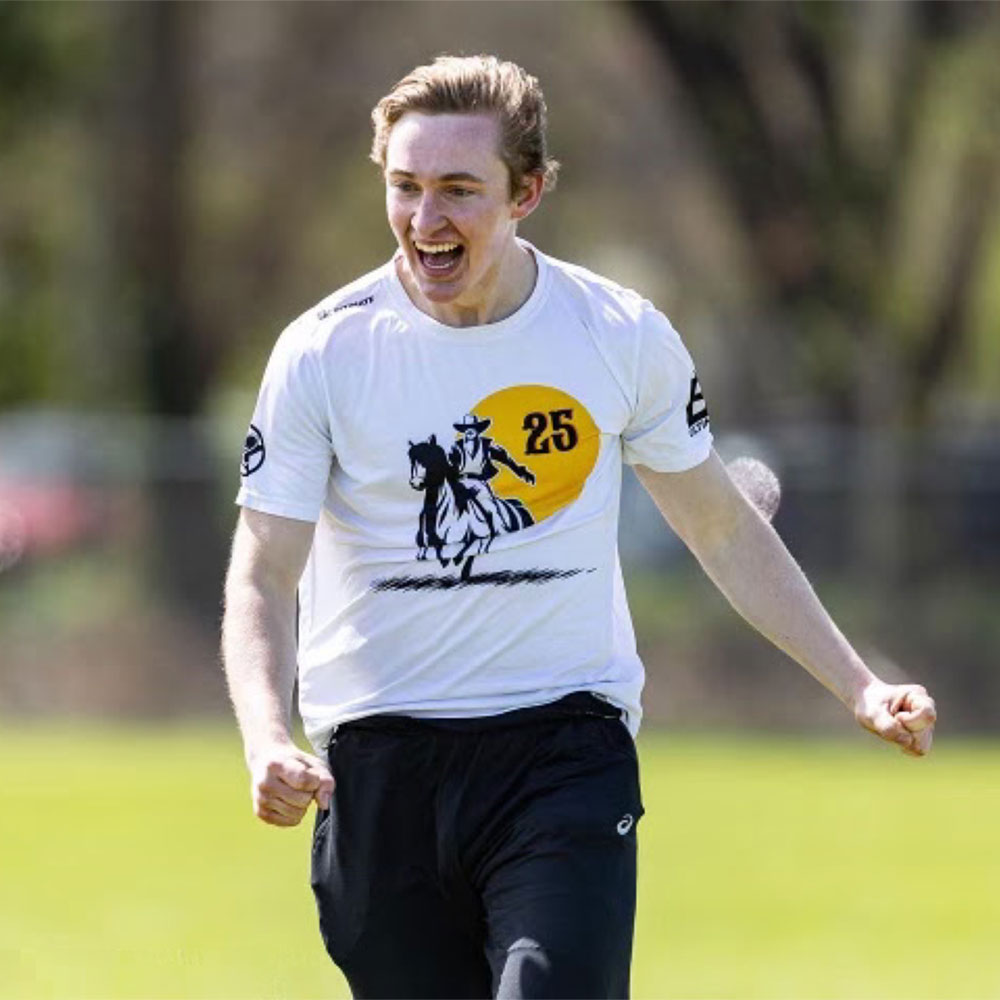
(320, 734)
(690, 461)
(277, 507)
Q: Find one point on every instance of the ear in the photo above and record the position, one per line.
(527, 198)
(433, 439)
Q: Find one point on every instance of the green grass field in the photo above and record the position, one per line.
(131, 866)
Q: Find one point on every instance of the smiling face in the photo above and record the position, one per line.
(449, 206)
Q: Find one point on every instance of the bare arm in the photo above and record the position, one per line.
(750, 565)
(500, 454)
(258, 650)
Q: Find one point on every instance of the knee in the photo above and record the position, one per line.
(533, 970)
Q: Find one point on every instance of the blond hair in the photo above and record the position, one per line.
(476, 85)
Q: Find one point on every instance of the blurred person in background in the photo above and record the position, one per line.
(467, 672)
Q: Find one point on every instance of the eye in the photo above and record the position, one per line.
(404, 187)
(460, 192)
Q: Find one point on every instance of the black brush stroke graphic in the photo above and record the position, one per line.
(503, 578)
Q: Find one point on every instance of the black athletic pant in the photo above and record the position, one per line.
(489, 857)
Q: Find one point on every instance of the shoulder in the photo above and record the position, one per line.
(622, 324)
(351, 309)
(352, 300)
(355, 307)
(599, 297)
(305, 343)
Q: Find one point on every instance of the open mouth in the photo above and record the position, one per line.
(440, 259)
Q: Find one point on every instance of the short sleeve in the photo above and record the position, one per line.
(669, 429)
(288, 451)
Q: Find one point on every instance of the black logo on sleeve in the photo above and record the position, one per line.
(253, 452)
(697, 408)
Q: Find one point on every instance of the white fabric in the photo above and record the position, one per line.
(356, 382)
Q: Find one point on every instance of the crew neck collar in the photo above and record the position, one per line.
(515, 321)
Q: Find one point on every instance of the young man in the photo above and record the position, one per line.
(473, 725)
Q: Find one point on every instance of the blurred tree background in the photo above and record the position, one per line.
(810, 191)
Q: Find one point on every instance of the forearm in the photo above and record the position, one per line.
(258, 650)
(749, 563)
(759, 577)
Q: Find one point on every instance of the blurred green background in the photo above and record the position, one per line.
(810, 191)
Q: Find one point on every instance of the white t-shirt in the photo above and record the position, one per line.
(465, 486)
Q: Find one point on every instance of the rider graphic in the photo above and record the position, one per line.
(473, 458)
(460, 510)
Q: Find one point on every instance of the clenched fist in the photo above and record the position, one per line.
(899, 713)
(284, 780)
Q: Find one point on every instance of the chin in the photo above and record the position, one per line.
(435, 293)
(441, 291)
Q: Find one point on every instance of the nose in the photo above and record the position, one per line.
(427, 216)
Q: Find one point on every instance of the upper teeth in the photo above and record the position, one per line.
(435, 247)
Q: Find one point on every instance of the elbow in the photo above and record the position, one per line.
(257, 585)
(715, 540)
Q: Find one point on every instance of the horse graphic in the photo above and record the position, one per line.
(452, 513)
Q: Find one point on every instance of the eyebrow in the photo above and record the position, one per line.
(447, 178)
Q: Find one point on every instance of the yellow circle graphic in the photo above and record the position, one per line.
(549, 437)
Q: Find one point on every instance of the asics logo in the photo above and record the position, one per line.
(625, 824)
